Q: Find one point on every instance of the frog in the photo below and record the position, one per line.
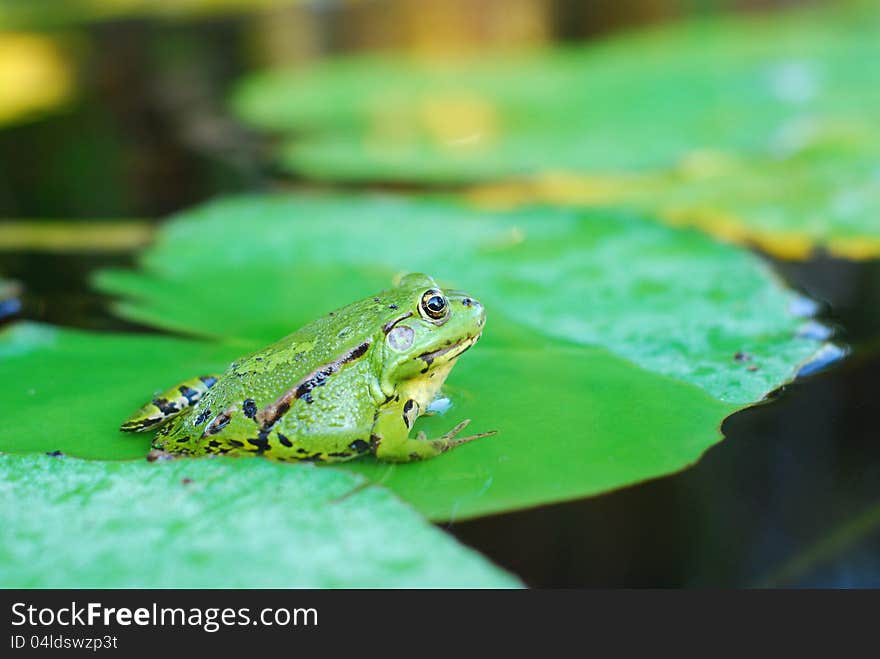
(349, 384)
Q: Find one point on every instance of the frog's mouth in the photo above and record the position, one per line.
(448, 353)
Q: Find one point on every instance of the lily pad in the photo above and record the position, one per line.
(62, 390)
(785, 206)
(767, 91)
(68, 390)
(208, 523)
(614, 346)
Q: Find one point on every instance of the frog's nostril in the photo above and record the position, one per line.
(467, 302)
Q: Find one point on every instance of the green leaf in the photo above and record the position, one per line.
(64, 390)
(216, 523)
(826, 196)
(68, 391)
(767, 91)
(609, 357)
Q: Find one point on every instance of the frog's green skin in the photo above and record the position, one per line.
(348, 384)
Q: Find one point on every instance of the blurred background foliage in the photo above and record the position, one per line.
(139, 124)
(756, 129)
(115, 113)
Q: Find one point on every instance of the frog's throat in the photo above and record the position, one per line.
(447, 353)
(441, 360)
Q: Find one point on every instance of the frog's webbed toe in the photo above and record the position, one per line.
(451, 438)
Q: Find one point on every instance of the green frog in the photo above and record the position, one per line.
(350, 383)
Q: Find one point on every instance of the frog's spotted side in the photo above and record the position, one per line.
(350, 383)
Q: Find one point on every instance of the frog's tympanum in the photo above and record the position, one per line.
(348, 384)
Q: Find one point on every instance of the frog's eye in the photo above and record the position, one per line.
(434, 306)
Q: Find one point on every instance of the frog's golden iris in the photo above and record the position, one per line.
(349, 383)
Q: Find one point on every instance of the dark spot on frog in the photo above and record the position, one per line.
(183, 440)
(301, 450)
(165, 406)
(375, 299)
(261, 442)
(284, 441)
(219, 423)
(192, 396)
(208, 380)
(393, 306)
(414, 457)
(202, 417)
(235, 443)
(55, 454)
(407, 408)
(186, 481)
(214, 444)
(250, 408)
(753, 368)
(332, 313)
(375, 440)
(316, 457)
(359, 446)
(259, 359)
(742, 356)
(341, 454)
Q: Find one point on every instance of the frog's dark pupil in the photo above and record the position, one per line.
(435, 304)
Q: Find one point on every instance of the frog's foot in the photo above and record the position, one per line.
(169, 404)
(451, 440)
(421, 448)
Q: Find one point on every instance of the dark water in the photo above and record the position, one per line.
(791, 497)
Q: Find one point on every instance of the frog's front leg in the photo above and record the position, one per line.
(391, 441)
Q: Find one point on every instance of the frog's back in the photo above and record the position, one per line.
(277, 402)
